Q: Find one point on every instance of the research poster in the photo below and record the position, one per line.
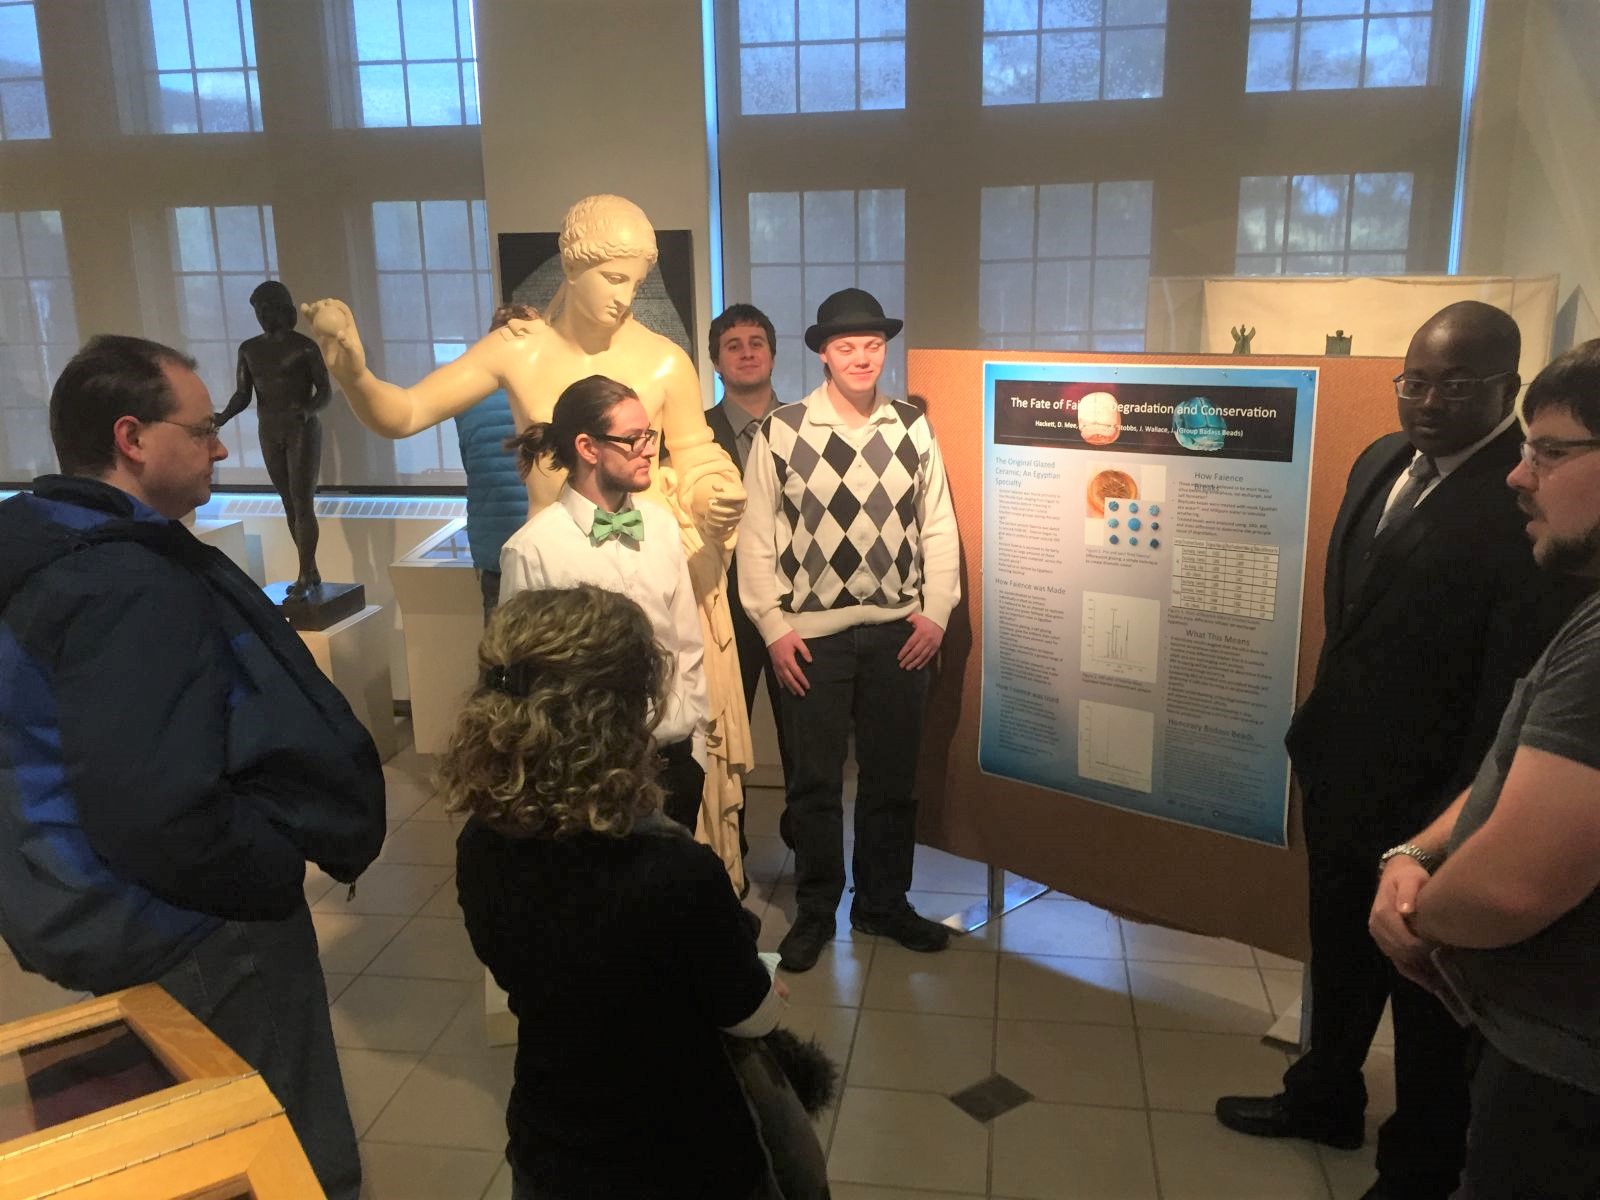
(1144, 557)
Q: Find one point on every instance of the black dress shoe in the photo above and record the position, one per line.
(1271, 1116)
(803, 944)
(906, 927)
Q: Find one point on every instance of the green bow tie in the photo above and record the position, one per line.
(629, 523)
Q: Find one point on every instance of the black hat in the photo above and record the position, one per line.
(850, 311)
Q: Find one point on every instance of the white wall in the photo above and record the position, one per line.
(586, 96)
(1533, 197)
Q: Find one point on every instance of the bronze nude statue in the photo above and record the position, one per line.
(286, 371)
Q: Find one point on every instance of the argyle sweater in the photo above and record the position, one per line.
(845, 526)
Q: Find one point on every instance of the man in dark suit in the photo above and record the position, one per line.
(742, 341)
(1434, 608)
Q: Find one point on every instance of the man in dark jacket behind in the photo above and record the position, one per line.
(170, 756)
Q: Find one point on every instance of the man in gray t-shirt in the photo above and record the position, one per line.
(1496, 905)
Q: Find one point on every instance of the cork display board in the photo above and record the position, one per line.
(1138, 866)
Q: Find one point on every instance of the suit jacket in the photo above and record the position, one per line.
(722, 430)
(1429, 626)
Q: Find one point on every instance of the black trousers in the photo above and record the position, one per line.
(1532, 1137)
(1422, 1146)
(856, 686)
(684, 782)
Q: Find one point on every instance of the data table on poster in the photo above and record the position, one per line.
(1239, 579)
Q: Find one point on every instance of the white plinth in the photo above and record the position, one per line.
(441, 617)
(355, 655)
(227, 536)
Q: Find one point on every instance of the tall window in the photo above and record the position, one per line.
(1048, 51)
(804, 246)
(1324, 224)
(186, 66)
(808, 56)
(408, 62)
(435, 298)
(1064, 266)
(218, 257)
(38, 333)
(1302, 45)
(22, 108)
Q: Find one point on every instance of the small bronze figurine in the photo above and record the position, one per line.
(1338, 343)
(285, 369)
(1242, 339)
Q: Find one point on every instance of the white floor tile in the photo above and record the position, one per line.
(448, 1101)
(1283, 988)
(839, 978)
(939, 871)
(920, 1052)
(1072, 1064)
(444, 902)
(394, 1172)
(429, 948)
(1187, 1071)
(1038, 987)
(377, 1013)
(422, 843)
(1070, 928)
(387, 889)
(1065, 1152)
(908, 1140)
(1197, 996)
(958, 984)
(24, 994)
(349, 941)
(371, 1078)
(1156, 943)
(1200, 1160)
(936, 906)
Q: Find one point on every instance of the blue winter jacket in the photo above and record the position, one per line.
(497, 499)
(170, 755)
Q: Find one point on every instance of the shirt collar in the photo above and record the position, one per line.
(740, 419)
(1445, 463)
(820, 409)
(581, 509)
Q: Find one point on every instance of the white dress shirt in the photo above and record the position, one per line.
(553, 550)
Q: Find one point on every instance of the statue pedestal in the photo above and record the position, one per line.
(323, 607)
(355, 654)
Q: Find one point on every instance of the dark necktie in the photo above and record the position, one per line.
(1421, 473)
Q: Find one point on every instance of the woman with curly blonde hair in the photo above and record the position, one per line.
(623, 951)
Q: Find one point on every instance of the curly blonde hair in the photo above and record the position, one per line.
(556, 739)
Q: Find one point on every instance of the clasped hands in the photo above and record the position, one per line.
(917, 651)
(1390, 922)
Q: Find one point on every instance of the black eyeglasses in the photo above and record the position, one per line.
(1546, 454)
(1449, 391)
(203, 431)
(636, 442)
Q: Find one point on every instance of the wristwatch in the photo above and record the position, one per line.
(1429, 861)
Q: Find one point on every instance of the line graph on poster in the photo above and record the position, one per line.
(1121, 636)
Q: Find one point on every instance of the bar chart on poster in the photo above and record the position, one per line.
(1144, 558)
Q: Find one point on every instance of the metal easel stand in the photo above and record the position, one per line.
(1006, 893)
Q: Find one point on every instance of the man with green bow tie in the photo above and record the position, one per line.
(598, 532)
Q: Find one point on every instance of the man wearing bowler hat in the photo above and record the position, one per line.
(848, 557)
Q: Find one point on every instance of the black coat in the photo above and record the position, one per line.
(1429, 626)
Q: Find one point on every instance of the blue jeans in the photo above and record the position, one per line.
(258, 986)
(857, 686)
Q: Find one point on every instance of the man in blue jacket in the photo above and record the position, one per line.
(497, 499)
(170, 756)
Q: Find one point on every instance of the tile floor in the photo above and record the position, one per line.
(1123, 1033)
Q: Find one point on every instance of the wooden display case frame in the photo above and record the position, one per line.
(216, 1134)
